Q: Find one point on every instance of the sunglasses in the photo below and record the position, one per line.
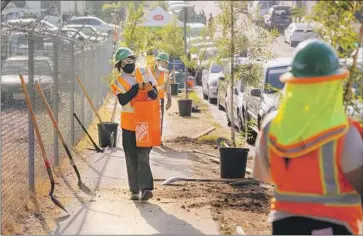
(127, 61)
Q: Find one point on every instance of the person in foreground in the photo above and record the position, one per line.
(131, 84)
(311, 151)
(161, 74)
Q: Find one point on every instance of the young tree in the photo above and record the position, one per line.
(170, 40)
(240, 36)
(337, 20)
(135, 36)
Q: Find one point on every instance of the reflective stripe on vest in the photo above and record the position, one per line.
(297, 150)
(326, 194)
(127, 113)
(161, 80)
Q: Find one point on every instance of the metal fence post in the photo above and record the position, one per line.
(84, 66)
(55, 97)
(31, 89)
(72, 94)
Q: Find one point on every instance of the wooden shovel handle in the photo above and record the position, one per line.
(49, 110)
(88, 98)
(32, 117)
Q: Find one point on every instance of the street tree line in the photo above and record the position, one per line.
(240, 36)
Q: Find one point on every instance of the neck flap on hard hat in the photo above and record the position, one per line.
(310, 115)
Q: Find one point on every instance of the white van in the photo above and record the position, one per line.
(257, 9)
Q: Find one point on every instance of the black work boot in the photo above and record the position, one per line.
(146, 195)
(135, 196)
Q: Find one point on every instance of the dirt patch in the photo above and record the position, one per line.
(38, 215)
(246, 207)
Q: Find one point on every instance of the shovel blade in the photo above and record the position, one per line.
(58, 203)
(85, 189)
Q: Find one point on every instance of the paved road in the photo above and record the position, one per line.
(280, 48)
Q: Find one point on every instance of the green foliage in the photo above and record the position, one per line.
(240, 36)
(337, 27)
(134, 36)
(162, 4)
(170, 40)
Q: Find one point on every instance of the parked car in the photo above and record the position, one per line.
(259, 101)
(89, 30)
(238, 90)
(278, 17)
(10, 83)
(257, 9)
(210, 81)
(223, 86)
(298, 32)
(99, 24)
(42, 24)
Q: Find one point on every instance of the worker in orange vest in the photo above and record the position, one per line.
(161, 74)
(311, 151)
(132, 83)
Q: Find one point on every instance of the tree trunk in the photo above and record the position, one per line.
(233, 135)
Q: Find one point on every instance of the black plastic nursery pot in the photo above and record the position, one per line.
(104, 136)
(174, 89)
(233, 162)
(185, 107)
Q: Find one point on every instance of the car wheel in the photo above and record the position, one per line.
(212, 100)
(228, 120)
(240, 123)
(220, 107)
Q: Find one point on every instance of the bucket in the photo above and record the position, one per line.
(148, 123)
(185, 107)
(233, 162)
(174, 89)
(105, 135)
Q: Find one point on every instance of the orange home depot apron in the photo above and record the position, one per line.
(147, 119)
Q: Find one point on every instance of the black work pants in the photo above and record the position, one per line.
(305, 226)
(162, 102)
(138, 163)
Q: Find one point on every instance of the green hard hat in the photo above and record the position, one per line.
(314, 58)
(123, 53)
(163, 57)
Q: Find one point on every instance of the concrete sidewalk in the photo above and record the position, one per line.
(110, 212)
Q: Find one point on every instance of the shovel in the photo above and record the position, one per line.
(41, 145)
(81, 185)
(112, 135)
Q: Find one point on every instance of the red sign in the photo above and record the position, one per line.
(158, 17)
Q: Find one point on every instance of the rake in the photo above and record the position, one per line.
(112, 135)
(96, 148)
(41, 145)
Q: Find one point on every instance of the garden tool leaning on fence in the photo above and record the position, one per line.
(96, 148)
(112, 134)
(81, 185)
(41, 145)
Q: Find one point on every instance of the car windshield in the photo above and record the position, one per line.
(273, 83)
(216, 68)
(14, 67)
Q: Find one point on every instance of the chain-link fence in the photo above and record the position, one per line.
(53, 61)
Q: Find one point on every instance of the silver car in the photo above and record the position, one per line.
(11, 90)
